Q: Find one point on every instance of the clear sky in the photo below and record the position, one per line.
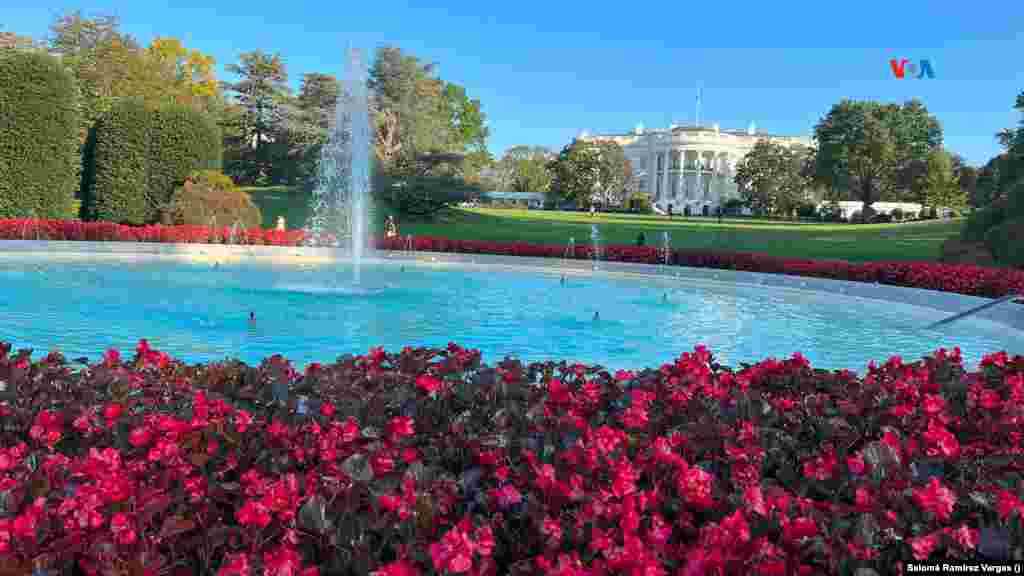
(546, 70)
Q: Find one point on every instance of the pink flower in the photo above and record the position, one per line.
(936, 498)
(400, 427)
(923, 546)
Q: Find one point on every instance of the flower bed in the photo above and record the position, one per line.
(429, 462)
(962, 279)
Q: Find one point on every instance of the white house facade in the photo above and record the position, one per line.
(690, 168)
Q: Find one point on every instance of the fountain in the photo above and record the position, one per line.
(341, 201)
(666, 248)
(595, 243)
(233, 235)
(409, 246)
(570, 249)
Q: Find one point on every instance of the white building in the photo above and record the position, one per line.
(690, 167)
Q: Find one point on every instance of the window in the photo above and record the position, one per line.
(675, 185)
(639, 163)
(661, 162)
(676, 160)
(641, 185)
(657, 184)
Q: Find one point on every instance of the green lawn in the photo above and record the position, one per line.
(909, 241)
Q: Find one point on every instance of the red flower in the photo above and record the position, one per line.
(923, 546)
(941, 442)
(400, 427)
(254, 513)
(454, 553)
(327, 410)
(428, 383)
(695, 485)
(936, 498)
(235, 565)
(122, 530)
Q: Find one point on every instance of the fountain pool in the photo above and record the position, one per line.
(196, 311)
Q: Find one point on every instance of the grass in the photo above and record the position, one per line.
(856, 243)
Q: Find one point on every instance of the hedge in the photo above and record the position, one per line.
(141, 154)
(39, 118)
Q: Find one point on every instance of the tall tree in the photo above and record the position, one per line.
(942, 186)
(525, 169)
(773, 178)
(574, 173)
(10, 40)
(187, 73)
(259, 97)
(614, 173)
(868, 148)
(309, 119)
(420, 119)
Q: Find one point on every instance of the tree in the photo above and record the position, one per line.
(525, 169)
(307, 120)
(772, 178)
(187, 74)
(12, 41)
(941, 185)
(614, 173)
(574, 173)
(870, 150)
(429, 134)
(258, 114)
(426, 185)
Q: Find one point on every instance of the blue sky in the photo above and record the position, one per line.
(546, 70)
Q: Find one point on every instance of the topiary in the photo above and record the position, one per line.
(183, 141)
(209, 198)
(140, 153)
(117, 156)
(39, 154)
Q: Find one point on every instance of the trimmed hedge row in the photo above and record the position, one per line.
(140, 154)
(958, 278)
(39, 119)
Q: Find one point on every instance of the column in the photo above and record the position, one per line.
(666, 189)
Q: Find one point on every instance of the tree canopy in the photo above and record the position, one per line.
(867, 148)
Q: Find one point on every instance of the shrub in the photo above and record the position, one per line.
(39, 153)
(184, 141)
(117, 172)
(1006, 241)
(897, 214)
(806, 210)
(881, 218)
(733, 206)
(831, 212)
(141, 153)
(211, 198)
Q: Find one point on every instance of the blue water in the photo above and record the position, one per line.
(198, 313)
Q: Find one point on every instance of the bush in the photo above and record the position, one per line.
(116, 191)
(897, 214)
(1006, 242)
(881, 218)
(806, 210)
(209, 198)
(733, 206)
(39, 140)
(141, 154)
(184, 141)
(830, 212)
(360, 467)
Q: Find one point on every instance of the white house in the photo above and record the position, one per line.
(690, 168)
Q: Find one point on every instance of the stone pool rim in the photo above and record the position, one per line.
(1009, 314)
